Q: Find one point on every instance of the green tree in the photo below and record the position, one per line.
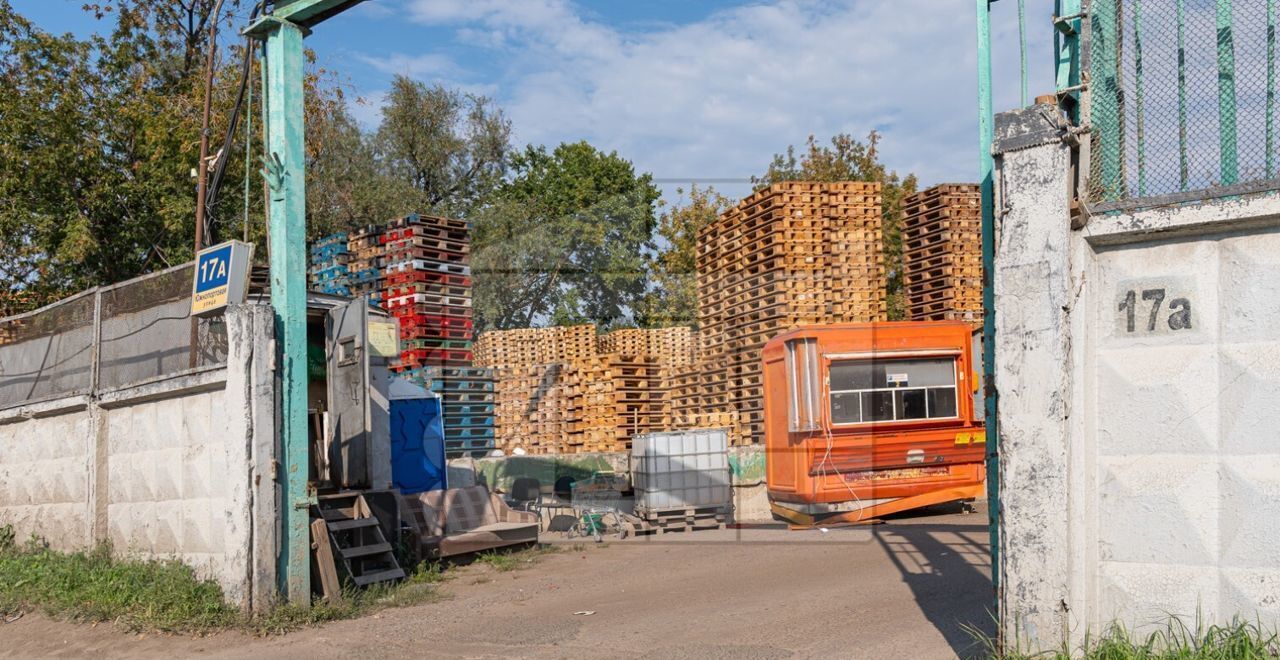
(449, 146)
(848, 159)
(98, 139)
(565, 240)
(346, 186)
(672, 298)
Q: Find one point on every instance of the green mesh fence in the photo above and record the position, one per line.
(1182, 98)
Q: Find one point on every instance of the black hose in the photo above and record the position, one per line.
(220, 166)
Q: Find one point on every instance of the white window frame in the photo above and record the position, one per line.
(955, 386)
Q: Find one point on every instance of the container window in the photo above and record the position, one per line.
(803, 388)
(893, 390)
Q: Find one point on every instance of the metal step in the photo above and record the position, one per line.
(355, 523)
(365, 550)
(381, 576)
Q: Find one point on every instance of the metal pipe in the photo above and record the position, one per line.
(1022, 49)
(1182, 96)
(202, 170)
(986, 136)
(248, 146)
(1141, 115)
(1271, 86)
(1229, 164)
(1105, 104)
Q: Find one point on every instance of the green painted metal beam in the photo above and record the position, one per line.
(285, 170)
(1139, 98)
(1271, 88)
(1106, 99)
(1227, 153)
(986, 171)
(307, 13)
(1066, 40)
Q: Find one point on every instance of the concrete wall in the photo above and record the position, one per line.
(180, 467)
(1140, 449)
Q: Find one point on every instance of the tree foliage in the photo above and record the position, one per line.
(99, 138)
(673, 293)
(848, 159)
(435, 150)
(565, 240)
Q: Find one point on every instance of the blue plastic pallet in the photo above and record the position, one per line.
(479, 443)
(462, 409)
(328, 250)
(459, 373)
(467, 397)
(329, 273)
(457, 433)
(461, 386)
(478, 421)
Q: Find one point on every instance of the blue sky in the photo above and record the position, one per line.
(701, 90)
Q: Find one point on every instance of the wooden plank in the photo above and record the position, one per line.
(326, 564)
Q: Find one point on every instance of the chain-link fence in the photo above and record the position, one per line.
(137, 330)
(1182, 100)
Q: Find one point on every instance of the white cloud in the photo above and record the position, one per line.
(426, 65)
(714, 99)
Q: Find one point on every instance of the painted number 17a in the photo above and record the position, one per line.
(1179, 310)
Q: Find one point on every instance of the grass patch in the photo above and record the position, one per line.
(166, 596)
(162, 596)
(504, 561)
(1175, 641)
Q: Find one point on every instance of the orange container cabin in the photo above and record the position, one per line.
(866, 419)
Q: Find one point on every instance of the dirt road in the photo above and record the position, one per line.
(899, 590)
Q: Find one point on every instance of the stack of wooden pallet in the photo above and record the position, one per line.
(942, 253)
(366, 256)
(535, 407)
(557, 392)
(536, 346)
(417, 268)
(328, 272)
(428, 287)
(617, 397)
(795, 253)
(673, 346)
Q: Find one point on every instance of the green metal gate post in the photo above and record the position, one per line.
(285, 171)
(1226, 95)
(986, 136)
(1105, 99)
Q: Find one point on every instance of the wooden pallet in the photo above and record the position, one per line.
(685, 518)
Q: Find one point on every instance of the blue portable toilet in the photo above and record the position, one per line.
(417, 438)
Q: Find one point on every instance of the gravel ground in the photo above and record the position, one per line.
(904, 589)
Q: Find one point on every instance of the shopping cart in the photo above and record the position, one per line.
(596, 503)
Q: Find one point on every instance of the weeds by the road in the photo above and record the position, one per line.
(94, 586)
(166, 596)
(504, 561)
(1241, 640)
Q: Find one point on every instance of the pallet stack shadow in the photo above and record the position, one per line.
(427, 279)
(329, 272)
(795, 253)
(942, 253)
(563, 390)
